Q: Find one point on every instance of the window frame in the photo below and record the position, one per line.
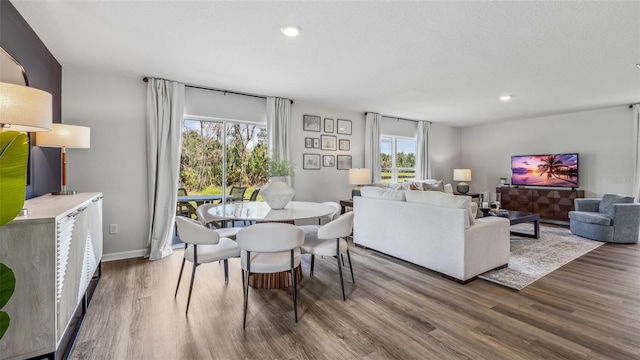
(394, 150)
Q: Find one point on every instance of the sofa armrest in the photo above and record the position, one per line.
(586, 204)
(626, 222)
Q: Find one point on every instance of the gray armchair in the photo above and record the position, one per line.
(614, 218)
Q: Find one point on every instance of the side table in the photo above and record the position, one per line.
(344, 204)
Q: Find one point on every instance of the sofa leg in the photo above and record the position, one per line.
(464, 282)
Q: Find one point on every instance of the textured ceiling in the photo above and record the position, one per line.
(442, 61)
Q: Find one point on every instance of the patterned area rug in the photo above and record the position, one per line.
(532, 259)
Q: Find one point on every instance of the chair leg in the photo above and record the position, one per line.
(342, 258)
(245, 283)
(353, 279)
(294, 290)
(344, 298)
(179, 277)
(313, 260)
(193, 276)
(226, 271)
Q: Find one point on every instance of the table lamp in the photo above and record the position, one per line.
(359, 177)
(65, 136)
(22, 109)
(462, 175)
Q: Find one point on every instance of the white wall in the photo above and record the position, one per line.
(114, 107)
(326, 184)
(603, 138)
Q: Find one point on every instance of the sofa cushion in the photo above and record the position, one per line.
(445, 200)
(380, 193)
(590, 217)
(609, 200)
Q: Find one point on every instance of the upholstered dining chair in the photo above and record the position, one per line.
(313, 229)
(203, 245)
(269, 248)
(212, 222)
(331, 240)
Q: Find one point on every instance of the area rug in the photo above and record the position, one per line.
(531, 259)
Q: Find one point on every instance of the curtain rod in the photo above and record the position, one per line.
(399, 118)
(146, 79)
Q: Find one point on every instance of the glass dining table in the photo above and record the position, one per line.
(258, 211)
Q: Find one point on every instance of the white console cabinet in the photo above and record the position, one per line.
(54, 252)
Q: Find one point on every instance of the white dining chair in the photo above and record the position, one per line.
(269, 248)
(331, 240)
(313, 229)
(205, 218)
(203, 245)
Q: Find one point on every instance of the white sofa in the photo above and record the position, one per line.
(441, 238)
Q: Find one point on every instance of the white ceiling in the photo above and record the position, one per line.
(442, 61)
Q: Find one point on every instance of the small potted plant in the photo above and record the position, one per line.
(277, 193)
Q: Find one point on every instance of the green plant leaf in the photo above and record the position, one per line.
(14, 152)
(4, 323)
(7, 284)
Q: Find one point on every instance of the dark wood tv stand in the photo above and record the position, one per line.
(553, 205)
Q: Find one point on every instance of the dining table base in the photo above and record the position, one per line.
(279, 280)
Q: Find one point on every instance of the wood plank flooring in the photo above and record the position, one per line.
(588, 309)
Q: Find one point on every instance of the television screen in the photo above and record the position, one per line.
(545, 170)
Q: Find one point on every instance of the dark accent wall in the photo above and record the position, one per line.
(45, 73)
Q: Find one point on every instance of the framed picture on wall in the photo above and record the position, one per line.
(344, 145)
(308, 142)
(316, 143)
(328, 160)
(344, 127)
(344, 162)
(329, 142)
(328, 125)
(311, 123)
(311, 161)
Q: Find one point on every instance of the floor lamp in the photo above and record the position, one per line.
(65, 136)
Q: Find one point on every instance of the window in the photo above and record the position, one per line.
(211, 146)
(397, 158)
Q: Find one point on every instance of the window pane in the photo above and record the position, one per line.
(385, 175)
(406, 175)
(405, 153)
(385, 152)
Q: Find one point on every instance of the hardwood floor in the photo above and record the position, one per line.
(588, 309)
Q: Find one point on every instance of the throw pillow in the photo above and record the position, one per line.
(437, 186)
(415, 186)
(448, 188)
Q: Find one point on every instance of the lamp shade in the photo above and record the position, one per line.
(461, 174)
(359, 176)
(24, 108)
(63, 135)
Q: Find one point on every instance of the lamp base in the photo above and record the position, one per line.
(462, 188)
(66, 192)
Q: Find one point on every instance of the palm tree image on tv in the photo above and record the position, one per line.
(545, 170)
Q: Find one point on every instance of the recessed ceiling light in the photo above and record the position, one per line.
(638, 65)
(506, 97)
(291, 30)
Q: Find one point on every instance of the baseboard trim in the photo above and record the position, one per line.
(123, 255)
(134, 253)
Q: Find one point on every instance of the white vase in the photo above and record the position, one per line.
(277, 193)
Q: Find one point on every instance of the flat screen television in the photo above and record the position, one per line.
(559, 170)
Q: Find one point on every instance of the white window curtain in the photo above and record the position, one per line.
(278, 120)
(636, 152)
(165, 109)
(423, 165)
(372, 144)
